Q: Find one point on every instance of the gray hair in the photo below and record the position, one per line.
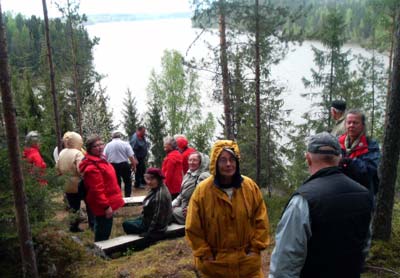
(168, 140)
(32, 138)
(356, 111)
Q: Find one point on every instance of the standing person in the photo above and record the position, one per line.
(103, 194)
(361, 154)
(36, 165)
(227, 222)
(157, 210)
(118, 153)
(172, 167)
(198, 171)
(184, 149)
(140, 147)
(323, 231)
(68, 165)
(338, 109)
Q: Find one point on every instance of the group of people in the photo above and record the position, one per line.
(325, 228)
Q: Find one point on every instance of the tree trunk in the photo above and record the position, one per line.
(52, 83)
(391, 149)
(224, 69)
(392, 35)
(75, 73)
(24, 232)
(257, 81)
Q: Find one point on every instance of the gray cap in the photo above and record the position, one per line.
(323, 139)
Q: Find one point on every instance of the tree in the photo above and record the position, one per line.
(391, 149)
(131, 118)
(156, 128)
(177, 90)
(24, 232)
(52, 81)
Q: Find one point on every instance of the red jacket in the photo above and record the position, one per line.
(360, 149)
(172, 170)
(33, 157)
(185, 158)
(102, 189)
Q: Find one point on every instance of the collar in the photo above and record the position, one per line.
(324, 172)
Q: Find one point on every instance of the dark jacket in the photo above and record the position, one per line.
(157, 210)
(340, 214)
(363, 166)
(140, 146)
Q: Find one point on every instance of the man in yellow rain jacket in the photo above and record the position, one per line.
(227, 222)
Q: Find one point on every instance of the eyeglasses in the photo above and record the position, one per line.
(224, 161)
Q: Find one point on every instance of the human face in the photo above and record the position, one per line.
(97, 148)
(354, 126)
(151, 181)
(167, 148)
(226, 164)
(194, 162)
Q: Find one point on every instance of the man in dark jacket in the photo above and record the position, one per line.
(360, 154)
(140, 147)
(324, 229)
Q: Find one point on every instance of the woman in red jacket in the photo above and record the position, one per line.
(36, 164)
(172, 167)
(103, 194)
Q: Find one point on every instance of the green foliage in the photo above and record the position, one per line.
(131, 117)
(275, 206)
(156, 128)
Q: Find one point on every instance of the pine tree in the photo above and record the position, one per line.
(156, 129)
(130, 114)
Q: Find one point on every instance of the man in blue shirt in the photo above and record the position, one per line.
(324, 230)
(140, 146)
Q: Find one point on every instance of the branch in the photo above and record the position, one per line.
(383, 269)
(193, 42)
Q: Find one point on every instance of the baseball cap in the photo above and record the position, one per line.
(323, 139)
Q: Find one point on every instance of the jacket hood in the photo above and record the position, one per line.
(205, 163)
(72, 140)
(216, 150)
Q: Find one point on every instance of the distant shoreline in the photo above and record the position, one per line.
(103, 18)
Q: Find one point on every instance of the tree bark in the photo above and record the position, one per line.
(52, 76)
(257, 81)
(224, 69)
(75, 73)
(24, 232)
(391, 149)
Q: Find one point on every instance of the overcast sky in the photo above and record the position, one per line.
(29, 7)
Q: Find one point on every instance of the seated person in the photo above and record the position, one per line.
(198, 171)
(157, 210)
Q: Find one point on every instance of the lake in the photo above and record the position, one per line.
(128, 51)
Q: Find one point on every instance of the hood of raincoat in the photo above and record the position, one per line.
(216, 151)
(72, 140)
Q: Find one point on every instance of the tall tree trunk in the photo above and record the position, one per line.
(75, 64)
(331, 87)
(392, 36)
(52, 83)
(224, 69)
(24, 232)
(257, 81)
(391, 149)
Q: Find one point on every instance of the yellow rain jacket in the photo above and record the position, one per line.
(229, 230)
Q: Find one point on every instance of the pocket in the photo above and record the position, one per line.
(250, 266)
(215, 269)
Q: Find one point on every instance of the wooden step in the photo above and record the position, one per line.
(121, 243)
(134, 201)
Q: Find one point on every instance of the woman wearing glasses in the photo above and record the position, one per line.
(103, 194)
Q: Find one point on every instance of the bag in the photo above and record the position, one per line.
(81, 190)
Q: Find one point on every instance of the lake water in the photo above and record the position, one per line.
(128, 51)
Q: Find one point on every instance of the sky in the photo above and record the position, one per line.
(34, 7)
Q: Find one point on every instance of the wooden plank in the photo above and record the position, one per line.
(134, 201)
(121, 243)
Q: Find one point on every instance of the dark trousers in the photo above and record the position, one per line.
(123, 171)
(140, 170)
(102, 228)
(135, 226)
(74, 204)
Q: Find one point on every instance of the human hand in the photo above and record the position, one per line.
(109, 212)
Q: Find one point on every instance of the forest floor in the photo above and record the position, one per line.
(72, 254)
